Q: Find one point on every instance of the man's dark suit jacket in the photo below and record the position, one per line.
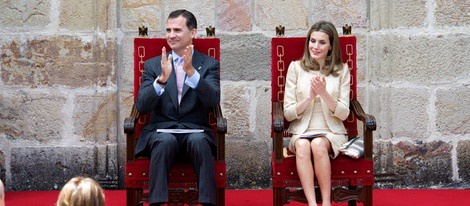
(192, 113)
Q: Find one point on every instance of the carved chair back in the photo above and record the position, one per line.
(286, 50)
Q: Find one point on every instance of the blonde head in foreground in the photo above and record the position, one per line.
(81, 191)
(2, 193)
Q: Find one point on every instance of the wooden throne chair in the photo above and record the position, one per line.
(182, 179)
(352, 179)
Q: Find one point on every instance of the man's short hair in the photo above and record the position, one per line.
(191, 21)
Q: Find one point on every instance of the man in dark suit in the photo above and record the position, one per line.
(179, 88)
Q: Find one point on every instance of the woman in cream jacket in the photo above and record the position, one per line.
(317, 101)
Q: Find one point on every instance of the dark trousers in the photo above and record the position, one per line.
(166, 148)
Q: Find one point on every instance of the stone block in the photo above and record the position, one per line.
(291, 14)
(423, 164)
(453, 110)
(415, 164)
(49, 168)
(121, 159)
(95, 117)
(463, 160)
(135, 14)
(234, 15)
(245, 57)
(107, 15)
(361, 97)
(139, 3)
(361, 56)
(452, 13)
(27, 14)
(57, 60)
(392, 14)
(127, 69)
(418, 59)
(203, 10)
(247, 107)
(248, 164)
(105, 58)
(127, 101)
(400, 112)
(384, 168)
(89, 15)
(82, 17)
(107, 166)
(341, 12)
(34, 116)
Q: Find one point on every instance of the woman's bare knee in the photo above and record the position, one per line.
(302, 148)
(320, 147)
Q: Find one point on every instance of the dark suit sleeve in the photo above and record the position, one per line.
(147, 98)
(208, 88)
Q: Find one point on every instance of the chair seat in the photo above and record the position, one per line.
(181, 175)
(345, 171)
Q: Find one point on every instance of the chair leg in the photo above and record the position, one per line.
(352, 203)
(220, 201)
(277, 196)
(351, 189)
(133, 197)
(368, 195)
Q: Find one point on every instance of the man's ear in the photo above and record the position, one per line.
(193, 33)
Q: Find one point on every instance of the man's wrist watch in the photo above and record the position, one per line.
(160, 82)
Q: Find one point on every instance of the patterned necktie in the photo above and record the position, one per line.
(179, 77)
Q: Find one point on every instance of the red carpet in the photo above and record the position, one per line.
(264, 197)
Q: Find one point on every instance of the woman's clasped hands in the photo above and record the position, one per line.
(317, 86)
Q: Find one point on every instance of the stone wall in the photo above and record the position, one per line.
(66, 84)
(59, 93)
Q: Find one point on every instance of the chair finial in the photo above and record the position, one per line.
(210, 31)
(143, 31)
(347, 29)
(280, 31)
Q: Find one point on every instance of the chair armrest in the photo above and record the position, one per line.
(221, 124)
(369, 126)
(220, 120)
(129, 129)
(369, 120)
(278, 127)
(129, 122)
(278, 117)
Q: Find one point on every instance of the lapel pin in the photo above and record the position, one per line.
(199, 68)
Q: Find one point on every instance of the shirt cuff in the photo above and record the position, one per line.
(194, 80)
(158, 89)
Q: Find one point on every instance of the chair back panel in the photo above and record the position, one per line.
(146, 48)
(285, 50)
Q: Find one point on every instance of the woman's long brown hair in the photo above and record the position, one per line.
(333, 63)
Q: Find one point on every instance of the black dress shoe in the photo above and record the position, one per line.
(207, 204)
(157, 204)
